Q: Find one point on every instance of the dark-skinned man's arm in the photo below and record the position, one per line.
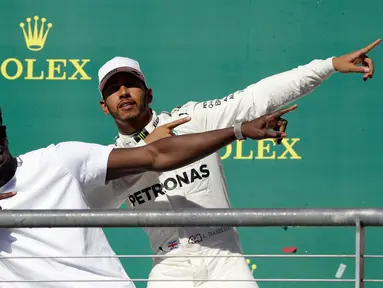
(174, 152)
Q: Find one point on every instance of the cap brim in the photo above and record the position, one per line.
(135, 72)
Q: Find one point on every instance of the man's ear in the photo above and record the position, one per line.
(149, 96)
(104, 107)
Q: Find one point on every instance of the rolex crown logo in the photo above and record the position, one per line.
(35, 38)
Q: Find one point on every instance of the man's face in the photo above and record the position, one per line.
(8, 164)
(125, 97)
(4, 152)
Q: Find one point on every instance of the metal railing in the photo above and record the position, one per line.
(359, 218)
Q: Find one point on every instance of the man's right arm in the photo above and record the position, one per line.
(93, 165)
(174, 152)
(167, 154)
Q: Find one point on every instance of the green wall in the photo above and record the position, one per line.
(199, 50)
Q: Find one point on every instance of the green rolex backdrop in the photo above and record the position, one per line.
(199, 50)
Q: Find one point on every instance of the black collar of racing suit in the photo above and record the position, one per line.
(133, 139)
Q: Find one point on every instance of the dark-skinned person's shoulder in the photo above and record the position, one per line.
(57, 173)
(87, 162)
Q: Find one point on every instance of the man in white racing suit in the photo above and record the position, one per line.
(201, 184)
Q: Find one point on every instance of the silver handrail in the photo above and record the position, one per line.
(359, 218)
(191, 218)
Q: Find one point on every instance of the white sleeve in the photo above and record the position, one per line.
(85, 161)
(263, 97)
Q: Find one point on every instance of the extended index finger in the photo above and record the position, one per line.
(281, 112)
(369, 47)
(177, 122)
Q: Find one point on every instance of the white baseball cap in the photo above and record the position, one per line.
(116, 65)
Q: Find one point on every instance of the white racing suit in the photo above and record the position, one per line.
(202, 184)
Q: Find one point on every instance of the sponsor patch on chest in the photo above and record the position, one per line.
(176, 181)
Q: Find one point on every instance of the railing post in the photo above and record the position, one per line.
(359, 255)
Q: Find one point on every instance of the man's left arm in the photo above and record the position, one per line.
(263, 97)
(273, 92)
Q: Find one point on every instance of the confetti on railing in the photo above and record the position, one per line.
(341, 269)
(289, 249)
(253, 266)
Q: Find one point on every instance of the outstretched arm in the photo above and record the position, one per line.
(174, 152)
(274, 92)
(167, 154)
